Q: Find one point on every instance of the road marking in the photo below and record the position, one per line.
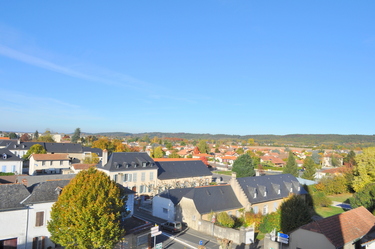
(173, 237)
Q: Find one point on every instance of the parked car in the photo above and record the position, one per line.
(174, 227)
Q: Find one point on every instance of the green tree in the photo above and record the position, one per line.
(35, 149)
(365, 197)
(36, 135)
(316, 157)
(291, 166)
(46, 137)
(13, 135)
(244, 166)
(76, 136)
(294, 213)
(350, 159)
(158, 152)
(88, 212)
(203, 146)
(92, 159)
(310, 169)
(364, 171)
(240, 151)
(174, 155)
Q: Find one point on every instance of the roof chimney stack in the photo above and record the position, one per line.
(105, 157)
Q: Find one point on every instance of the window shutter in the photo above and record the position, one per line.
(39, 219)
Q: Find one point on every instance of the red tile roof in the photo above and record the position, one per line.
(51, 157)
(174, 159)
(82, 166)
(344, 228)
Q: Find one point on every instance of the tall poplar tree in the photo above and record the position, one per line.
(88, 212)
(310, 169)
(291, 166)
(76, 135)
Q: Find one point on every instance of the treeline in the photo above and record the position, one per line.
(328, 141)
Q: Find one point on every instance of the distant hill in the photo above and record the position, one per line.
(304, 140)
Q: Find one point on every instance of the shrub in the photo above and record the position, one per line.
(225, 220)
(252, 218)
(270, 221)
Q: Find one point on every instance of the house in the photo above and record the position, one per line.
(265, 193)
(134, 170)
(10, 163)
(182, 173)
(349, 230)
(14, 213)
(39, 204)
(331, 172)
(48, 163)
(192, 205)
(274, 160)
(327, 160)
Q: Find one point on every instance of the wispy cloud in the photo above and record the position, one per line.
(118, 79)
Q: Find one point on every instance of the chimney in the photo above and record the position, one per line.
(234, 175)
(105, 157)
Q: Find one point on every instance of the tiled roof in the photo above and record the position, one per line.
(265, 188)
(344, 228)
(82, 166)
(50, 157)
(182, 169)
(11, 196)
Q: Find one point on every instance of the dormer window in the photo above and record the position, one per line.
(255, 195)
(265, 193)
(291, 190)
(4, 156)
(144, 164)
(278, 192)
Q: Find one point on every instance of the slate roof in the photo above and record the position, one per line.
(265, 188)
(126, 161)
(97, 151)
(9, 156)
(206, 199)
(34, 180)
(11, 196)
(214, 198)
(63, 148)
(46, 192)
(175, 195)
(182, 169)
(344, 228)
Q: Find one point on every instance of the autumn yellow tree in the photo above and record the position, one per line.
(88, 212)
(364, 171)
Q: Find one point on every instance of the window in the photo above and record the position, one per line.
(143, 164)
(265, 209)
(150, 187)
(275, 206)
(4, 168)
(165, 210)
(142, 189)
(13, 168)
(134, 177)
(115, 178)
(39, 221)
(143, 176)
(61, 163)
(255, 209)
(128, 177)
(38, 242)
(193, 218)
(43, 163)
(151, 176)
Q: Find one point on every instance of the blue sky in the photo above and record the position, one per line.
(219, 67)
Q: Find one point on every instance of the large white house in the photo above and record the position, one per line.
(48, 163)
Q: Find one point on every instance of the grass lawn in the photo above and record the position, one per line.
(328, 211)
(341, 197)
(228, 173)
